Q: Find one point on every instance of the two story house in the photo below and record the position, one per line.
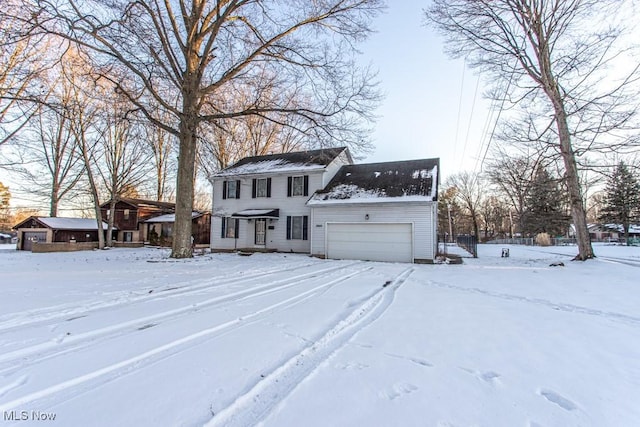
(259, 203)
(319, 202)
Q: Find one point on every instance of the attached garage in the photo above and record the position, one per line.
(370, 241)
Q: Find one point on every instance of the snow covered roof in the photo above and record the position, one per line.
(284, 162)
(62, 223)
(411, 180)
(143, 203)
(171, 217)
(257, 213)
(4, 236)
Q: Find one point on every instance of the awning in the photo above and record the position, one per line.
(257, 214)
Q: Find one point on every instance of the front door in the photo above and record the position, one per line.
(261, 231)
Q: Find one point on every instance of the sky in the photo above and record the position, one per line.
(432, 104)
(429, 108)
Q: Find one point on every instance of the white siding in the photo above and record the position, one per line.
(422, 215)
(289, 206)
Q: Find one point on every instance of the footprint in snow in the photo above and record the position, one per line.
(558, 399)
(489, 377)
(398, 390)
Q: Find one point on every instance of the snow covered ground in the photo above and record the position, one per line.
(130, 337)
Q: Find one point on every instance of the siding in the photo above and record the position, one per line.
(422, 215)
(276, 238)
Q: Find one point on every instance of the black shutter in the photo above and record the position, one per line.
(306, 185)
(224, 189)
(289, 181)
(224, 223)
(253, 188)
(237, 230)
(305, 226)
(237, 189)
(289, 227)
(268, 187)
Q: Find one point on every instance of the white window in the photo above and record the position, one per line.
(261, 187)
(231, 189)
(126, 214)
(297, 227)
(297, 186)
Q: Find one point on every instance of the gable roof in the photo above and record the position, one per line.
(285, 162)
(171, 217)
(143, 203)
(410, 180)
(60, 223)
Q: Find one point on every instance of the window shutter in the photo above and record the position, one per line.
(237, 230)
(289, 185)
(224, 190)
(306, 185)
(268, 187)
(237, 189)
(289, 227)
(253, 188)
(305, 226)
(224, 223)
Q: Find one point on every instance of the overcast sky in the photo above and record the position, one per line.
(423, 114)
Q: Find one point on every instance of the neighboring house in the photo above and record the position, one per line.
(130, 215)
(379, 212)
(259, 203)
(319, 202)
(161, 228)
(139, 220)
(56, 230)
(5, 238)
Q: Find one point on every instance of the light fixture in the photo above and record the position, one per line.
(366, 217)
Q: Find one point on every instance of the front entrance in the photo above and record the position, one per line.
(261, 232)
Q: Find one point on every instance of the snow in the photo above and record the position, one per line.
(351, 193)
(132, 337)
(61, 223)
(269, 166)
(170, 217)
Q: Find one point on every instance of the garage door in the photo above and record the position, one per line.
(29, 237)
(370, 241)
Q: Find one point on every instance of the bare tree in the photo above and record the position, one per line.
(189, 57)
(469, 192)
(554, 54)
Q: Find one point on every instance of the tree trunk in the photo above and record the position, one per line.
(578, 213)
(184, 188)
(110, 219)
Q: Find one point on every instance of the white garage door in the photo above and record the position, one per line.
(370, 241)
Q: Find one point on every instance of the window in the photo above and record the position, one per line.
(298, 186)
(230, 228)
(297, 227)
(231, 189)
(261, 187)
(126, 214)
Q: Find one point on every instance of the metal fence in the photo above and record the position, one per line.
(469, 243)
(530, 241)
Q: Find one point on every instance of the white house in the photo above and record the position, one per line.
(379, 212)
(319, 202)
(259, 203)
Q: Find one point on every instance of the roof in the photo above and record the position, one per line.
(410, 180)
(284, 162)
(257, 213)
(144, 202)
(61, 223)
(172, 217)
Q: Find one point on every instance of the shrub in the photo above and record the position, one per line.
(543, 239)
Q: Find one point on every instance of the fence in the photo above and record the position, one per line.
(469, 243)
(530, 241)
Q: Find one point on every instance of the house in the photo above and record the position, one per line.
(319, 202)
(139, 220)
(379, 212)
(74, 231)
(129, 216)
(160, 228)
(259, 203)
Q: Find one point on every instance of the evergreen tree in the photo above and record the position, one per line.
(545, 206)
(621, 199)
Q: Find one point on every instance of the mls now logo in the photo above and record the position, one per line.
(28, 416)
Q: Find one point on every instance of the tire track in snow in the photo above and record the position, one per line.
(570, 308)
(60, 392)
(253, 406)
(39, 352)
(78, 310)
